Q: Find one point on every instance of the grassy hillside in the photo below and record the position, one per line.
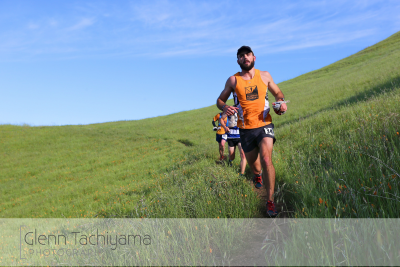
(340, 154)
(337, 155)
(111, 169)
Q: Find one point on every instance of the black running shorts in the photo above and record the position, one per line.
(220, 137)
(233, 142)
(250, 138)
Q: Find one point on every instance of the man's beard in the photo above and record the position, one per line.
(247, 68)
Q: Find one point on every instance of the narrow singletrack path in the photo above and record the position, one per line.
(280, 207)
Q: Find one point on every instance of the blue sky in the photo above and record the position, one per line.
(82, 62)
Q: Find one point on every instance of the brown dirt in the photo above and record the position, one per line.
(280, 207)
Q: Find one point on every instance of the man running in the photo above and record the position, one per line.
(249, 88)
(220, 136)
(233, 140)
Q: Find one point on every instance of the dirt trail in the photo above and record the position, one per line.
(262, 195)
(280, 207)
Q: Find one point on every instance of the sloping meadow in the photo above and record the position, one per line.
(159, 167)
(338, 154)
(344, 162)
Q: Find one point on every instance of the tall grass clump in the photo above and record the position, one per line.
(197, 188)
(344, 162)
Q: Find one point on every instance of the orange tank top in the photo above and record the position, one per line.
(220, 130)
(251, 98)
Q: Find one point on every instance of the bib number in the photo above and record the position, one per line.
(233, 131)
(269, 131)
(224, 136)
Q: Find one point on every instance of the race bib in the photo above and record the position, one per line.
(233, 131)
(224, 136)
(269, 131)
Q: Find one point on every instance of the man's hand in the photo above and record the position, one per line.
(280, 107)
(283, 107)
(229, 110)
(226, 129)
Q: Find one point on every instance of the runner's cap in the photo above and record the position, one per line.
(244, 48)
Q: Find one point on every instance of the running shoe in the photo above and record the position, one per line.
(257, 180)
(230, 163)
(271, 210)
(222, 158)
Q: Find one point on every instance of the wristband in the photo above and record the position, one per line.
(223, 107)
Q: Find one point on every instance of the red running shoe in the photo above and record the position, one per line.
(257, 180)
(271, 210)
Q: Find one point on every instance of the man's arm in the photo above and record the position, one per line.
(221, 101)
(273, 88)
(222, 122)
(216, 118)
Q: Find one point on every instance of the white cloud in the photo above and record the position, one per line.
(176, 28)
(176, 15)
(33, 26)
(53, 22)
(83, 23)
(322, 40)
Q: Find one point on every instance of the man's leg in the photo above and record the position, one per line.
(242, 159)
(231, 154)
(266, 146)
(253, 159)
(221, 148)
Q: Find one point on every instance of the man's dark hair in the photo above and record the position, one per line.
(244, 48)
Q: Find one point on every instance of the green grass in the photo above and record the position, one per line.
(340, 133)
(114, 170)
(344, 162)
